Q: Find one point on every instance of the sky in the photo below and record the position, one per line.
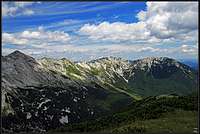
(91, 30)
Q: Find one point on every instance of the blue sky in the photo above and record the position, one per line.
(90, 30)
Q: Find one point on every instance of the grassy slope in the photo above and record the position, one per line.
(140, 85)
(177, 83)
(146, 115)
(178, 121)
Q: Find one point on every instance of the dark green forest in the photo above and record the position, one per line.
(146, 115)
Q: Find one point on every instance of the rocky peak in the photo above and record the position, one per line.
(157, 64)
(17, 55)
(109, 59)
(150, 59)
(154, 60)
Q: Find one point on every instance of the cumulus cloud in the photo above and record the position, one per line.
(36, 37)
(17, 8)
(169, 19)
(117, 31)
(161, 21)
(141, 15)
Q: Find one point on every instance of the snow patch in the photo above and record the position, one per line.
(36, 113)
(119, 71)
(64, 119)
(125, 79)
(75, 99)
(66, 110)
(47, 100)
(84, 65)
(28, 116)
(45, 108)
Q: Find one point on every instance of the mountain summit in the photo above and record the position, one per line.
(17, 54)
(46, 93)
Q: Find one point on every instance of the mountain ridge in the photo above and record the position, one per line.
(107, 69)
(48, 93)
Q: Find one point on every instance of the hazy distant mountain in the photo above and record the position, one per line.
(48, 93)
(192, 63)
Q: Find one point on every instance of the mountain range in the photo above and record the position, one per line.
(43, 94)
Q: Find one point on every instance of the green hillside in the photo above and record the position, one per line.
(177, 114)
(141, 78)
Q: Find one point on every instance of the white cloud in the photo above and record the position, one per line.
(116, 48)
(141, 15)
(64, 48)
(11, 39)
(189, 49)
(117, 31)
(17, 8)
(169, 19)
(35, 38)
(28, 12)
(66, 24)
(162, 21)
(22, 4)
(47, 36)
